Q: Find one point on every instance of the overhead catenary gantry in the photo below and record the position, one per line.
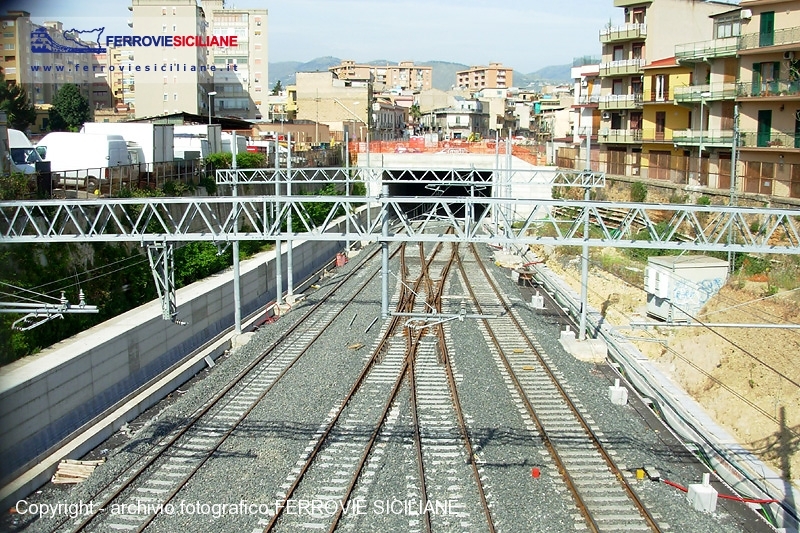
(494, 206)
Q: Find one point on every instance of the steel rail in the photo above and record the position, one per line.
(451, 380)
(197, 416)
(584, 509)
(406, 301)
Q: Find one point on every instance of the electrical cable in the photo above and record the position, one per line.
(725, 496)
(715, 332)
(699, 369)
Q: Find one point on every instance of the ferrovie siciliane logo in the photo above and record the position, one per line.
(75, 42)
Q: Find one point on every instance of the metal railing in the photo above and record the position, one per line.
(701, 51)
(621, 101)
(620, 136)
(714, 138)
(768, 88)
(623, 67)
(587, 99)
(778, 37)
(716, 91)
(623, 33)
(770, 139)
(113, 181)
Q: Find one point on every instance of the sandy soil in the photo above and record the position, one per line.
(746, 379)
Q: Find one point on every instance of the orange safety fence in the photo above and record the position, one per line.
(532, 154)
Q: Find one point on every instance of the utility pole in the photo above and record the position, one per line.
(732, 200)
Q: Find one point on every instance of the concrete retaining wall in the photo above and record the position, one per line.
(46, 398)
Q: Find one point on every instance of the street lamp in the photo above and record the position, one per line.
(703, 96)
(210, 94)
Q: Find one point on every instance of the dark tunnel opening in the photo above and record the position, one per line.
(439, 184)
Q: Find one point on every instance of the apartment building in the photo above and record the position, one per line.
(710, 96)
(341, 104)
(391, 120)
(465, 119)
(651, 30)
(241, 92)
(661, 117)
(406, 76)
(44, 71)
(768, 97)
(120, 77)
(492, 77)
(181, 81)
(586, 104)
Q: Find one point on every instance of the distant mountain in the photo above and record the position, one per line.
(444, 73)
(555, 73)
(285, 71)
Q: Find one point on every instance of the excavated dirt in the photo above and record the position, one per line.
(746, 379)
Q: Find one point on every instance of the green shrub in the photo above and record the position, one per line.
(678, 198)
(704, 200)
(14, 186)
(638, 192)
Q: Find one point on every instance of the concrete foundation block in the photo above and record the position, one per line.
(703, 497)
(618, 395)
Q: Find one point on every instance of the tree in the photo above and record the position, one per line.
(277, 89)
(14, 101)
(70, 109)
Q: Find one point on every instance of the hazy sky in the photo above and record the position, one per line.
(523, 34)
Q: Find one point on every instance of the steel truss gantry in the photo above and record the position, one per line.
(495, 206)
(556, 222)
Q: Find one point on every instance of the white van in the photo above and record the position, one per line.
(22, 153)
(84, 160)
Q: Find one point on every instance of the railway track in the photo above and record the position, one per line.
(167, 466)
(405, 397)
(598, 486)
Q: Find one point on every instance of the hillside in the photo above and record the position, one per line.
(444, 73)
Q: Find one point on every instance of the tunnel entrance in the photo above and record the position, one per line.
(436, 184)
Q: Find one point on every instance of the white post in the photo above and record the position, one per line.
(278, 252)
(237, 291)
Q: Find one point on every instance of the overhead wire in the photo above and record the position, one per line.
(701, 370)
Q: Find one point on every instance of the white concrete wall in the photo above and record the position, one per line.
(527, 180)
(46, 397)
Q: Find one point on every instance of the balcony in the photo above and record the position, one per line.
(691, 94)
(610, 102)
(753, 41)
(706, 138)
(626, 32)
(626, 67)
(702, 51)
(775, 140)
(651, 135)
(620, 136)
(588, 99)
(767, 89)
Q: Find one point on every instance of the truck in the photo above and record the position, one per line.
(85, 161)
(22, 153)
(155, 140)
(197, 141)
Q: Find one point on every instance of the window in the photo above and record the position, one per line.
(163, 28)
(163, 10)
(728, 26)
(174, 28)
(166, 97)
(8, 46)
(175, 96)
(174, 10)
(660, 88)
(619, 53)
